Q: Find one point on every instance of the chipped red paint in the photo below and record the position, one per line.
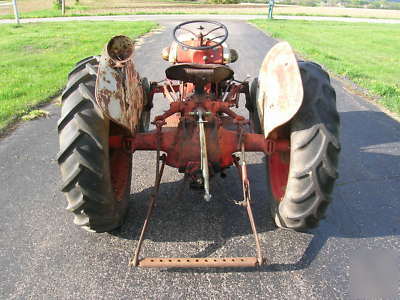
(120, 169)
(207, 56)
(179, 138)
(181, 144)
(278, 169)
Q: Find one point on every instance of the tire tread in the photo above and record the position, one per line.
(83, 157)
(313, 169)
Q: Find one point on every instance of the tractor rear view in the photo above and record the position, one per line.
(105, 118)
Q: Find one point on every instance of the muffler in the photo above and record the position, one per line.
(119, 91)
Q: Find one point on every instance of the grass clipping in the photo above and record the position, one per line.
(35, 114)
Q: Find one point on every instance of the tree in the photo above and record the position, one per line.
(57, 3)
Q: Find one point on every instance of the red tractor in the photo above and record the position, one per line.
(106, 115)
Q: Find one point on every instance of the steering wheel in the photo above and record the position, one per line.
(201, 35)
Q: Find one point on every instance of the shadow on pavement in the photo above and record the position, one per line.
(181, 208)
(359, 209)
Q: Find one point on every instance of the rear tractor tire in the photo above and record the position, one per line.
(302, 181)
(95, 179)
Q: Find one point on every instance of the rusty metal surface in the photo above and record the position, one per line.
(177, 157)
(189, 262)
(119, 91)
(198, 145)
(152, 201)
(204, 111)
(280, 91)
(167, 262)
(247, 203)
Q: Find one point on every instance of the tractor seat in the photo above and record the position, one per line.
(199, 73)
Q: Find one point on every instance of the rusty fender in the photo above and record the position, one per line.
(280, 90)
(119, 92)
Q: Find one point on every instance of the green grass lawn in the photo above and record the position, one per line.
(36, 58)
(368, 54)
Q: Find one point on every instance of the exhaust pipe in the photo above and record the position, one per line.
(119, 92)
(120, 50)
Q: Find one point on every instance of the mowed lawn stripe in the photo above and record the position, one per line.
(367, 54)
(36, 58)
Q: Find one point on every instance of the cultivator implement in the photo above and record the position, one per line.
(208, 262)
